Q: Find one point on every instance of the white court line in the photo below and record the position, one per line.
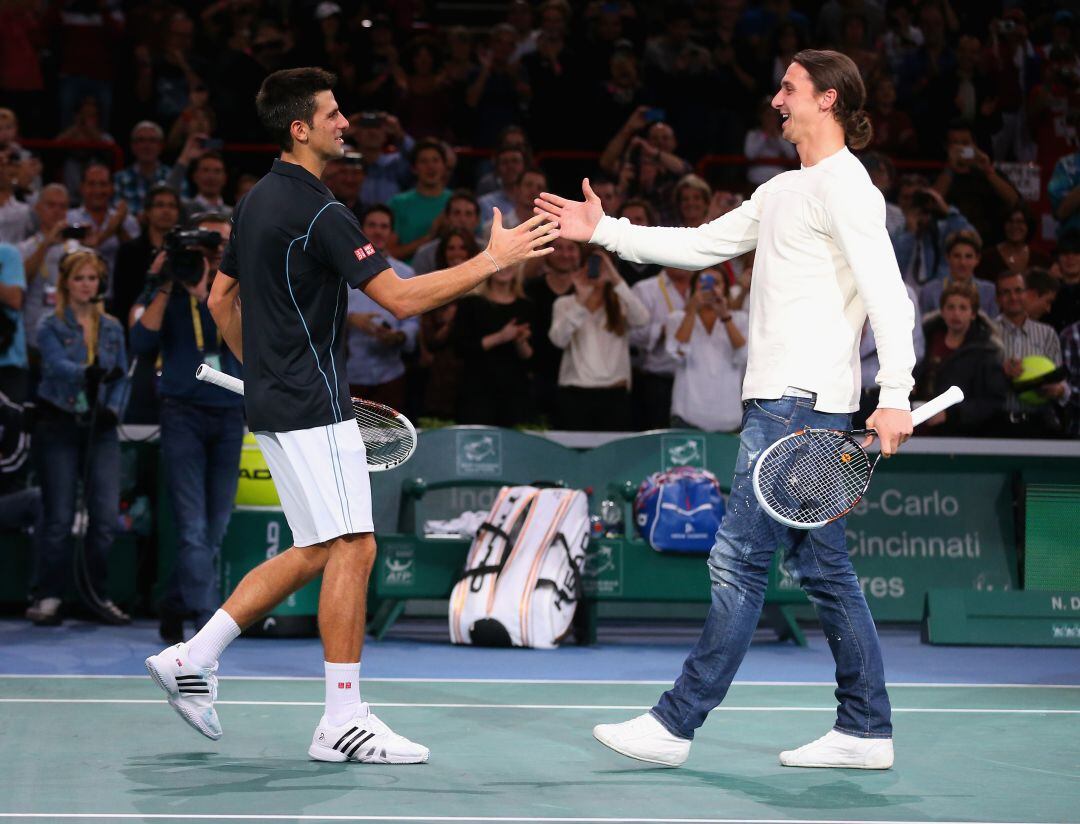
(418, 705)
(574, 681)
(462, 818)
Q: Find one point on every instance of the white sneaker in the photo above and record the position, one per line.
(365, 739)
(835, 749)
(192, 690)
(645, 739)
(44, 612)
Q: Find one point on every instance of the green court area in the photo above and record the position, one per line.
(89, 748)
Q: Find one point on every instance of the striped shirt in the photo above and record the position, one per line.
(1070, 359)
(1029, 338)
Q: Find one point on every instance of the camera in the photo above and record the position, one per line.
(185, 259)
(75, 232)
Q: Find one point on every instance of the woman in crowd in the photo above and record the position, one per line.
(82, 386)
(592, 326)
(440, 364)
(691, 199)
(1013, 255)
(491, 336)
(962, 349)
(708, 342)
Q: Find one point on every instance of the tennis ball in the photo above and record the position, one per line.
(256, 487)
(1034, 366)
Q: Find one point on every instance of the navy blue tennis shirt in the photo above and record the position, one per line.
(295, 250)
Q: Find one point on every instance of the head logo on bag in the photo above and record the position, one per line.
(679, 510)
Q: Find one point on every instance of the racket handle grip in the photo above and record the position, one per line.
(211, 375)
(950, 397)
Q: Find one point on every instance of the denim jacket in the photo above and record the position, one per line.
(63, 360)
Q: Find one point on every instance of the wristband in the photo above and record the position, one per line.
(498, 268)
(726, 320)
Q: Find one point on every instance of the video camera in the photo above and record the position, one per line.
(185, 254)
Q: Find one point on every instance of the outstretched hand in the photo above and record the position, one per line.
(509, 247)
(577, 220)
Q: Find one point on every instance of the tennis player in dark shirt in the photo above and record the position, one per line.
(293, 253)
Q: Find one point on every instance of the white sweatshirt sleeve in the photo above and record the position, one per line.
(567, 316)
(677, 350)
(858, 225)
(726, 237)
(637, 313)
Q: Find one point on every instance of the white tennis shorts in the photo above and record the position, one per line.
(321, 477)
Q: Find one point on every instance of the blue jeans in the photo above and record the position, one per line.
(739, 565)
(62, 448)
(200, 446)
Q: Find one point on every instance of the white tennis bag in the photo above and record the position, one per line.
(522, 578)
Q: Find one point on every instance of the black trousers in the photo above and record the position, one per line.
(652, 400)
(593, 410)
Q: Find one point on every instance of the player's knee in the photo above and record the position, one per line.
(359, 549)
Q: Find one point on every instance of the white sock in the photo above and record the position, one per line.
(210, 641)
(342, 692)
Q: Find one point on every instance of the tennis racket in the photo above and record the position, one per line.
(389, 437)
(814, 476)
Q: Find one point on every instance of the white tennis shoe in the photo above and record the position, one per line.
(366, 739)
(835, 749)
(645, 739)
(192, 690)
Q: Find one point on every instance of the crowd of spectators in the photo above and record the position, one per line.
(975, 114)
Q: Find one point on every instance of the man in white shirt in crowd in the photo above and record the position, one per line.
(823, 263)
(377, 339)
(654, 375)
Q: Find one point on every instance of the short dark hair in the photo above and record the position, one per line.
(161, 189)
(378, 207)
(287, 96)
(532, 170)
(199, 218)
(640, 203)
(207, 156)
(965, 290)
(462, 194)
(964, 237)
(1041, 282)
(1068, 242)
(424, 145)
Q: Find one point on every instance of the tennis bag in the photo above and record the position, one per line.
(522, 578)
(679, 510)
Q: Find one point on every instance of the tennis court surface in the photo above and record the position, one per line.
(508, 746)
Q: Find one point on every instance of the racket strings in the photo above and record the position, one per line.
(815, 477)
(385, 437)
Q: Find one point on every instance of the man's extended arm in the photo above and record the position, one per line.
(224, 305)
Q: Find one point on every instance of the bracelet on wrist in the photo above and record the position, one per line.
(494, 262)
(726, 320)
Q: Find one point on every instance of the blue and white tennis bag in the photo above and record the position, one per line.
(679, 510)
(522, 578)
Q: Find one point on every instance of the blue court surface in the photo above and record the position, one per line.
(982, 734)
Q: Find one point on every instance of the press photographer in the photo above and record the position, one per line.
(201, 425)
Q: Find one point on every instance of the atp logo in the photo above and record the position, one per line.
(600, 561)
(682, 450)
(479, 453)
(398, 569)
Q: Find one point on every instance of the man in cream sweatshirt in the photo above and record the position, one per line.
(824, 262)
